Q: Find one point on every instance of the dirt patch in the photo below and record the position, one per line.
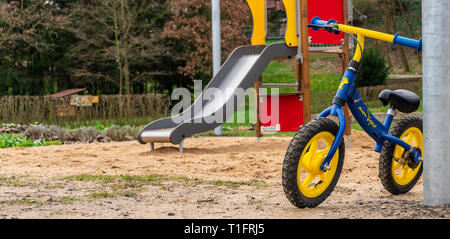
(215, 177)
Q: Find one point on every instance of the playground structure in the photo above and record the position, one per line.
(242, 70)
(295, 108)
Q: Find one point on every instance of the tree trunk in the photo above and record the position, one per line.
(118, 59)
(126, 69)
(411, 32)
(403, 58)
(116, 35)
(386, 29)
(391, 18)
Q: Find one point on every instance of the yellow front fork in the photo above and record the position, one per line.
(358, 53)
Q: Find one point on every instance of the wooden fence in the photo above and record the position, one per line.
(321, 101)
(134, 109)
(110, 108)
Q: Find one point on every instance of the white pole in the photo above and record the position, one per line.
(216, 49)
(436, 101)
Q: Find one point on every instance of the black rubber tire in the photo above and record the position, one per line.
(292, 158)
(385, 164)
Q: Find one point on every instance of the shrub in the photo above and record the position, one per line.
(50, 133)
(12, 128)
(133, 131)
(374, 68)
(117, 133)
(34, 132)
(53, 132)
(87, 135)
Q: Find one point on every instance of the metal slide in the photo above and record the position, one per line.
(241, 70)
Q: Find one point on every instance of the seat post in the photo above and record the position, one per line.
(389, 117)
(387, 124)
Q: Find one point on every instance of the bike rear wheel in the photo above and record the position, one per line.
(304, 184)
(396, 176)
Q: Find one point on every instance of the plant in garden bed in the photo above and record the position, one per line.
(117, 133)
(12, 128)
(48, 133)
(15, 140)
(87, 135)
(83, 134)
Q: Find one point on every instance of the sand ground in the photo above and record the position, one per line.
(215, 177)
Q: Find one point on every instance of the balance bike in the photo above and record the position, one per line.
(315, 156)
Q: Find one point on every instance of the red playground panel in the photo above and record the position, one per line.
(334, 10)
(290, 113)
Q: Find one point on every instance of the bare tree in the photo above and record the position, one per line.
(119, 31)
(390, 18)
(191, 26)
(28, 43)
(408, 25)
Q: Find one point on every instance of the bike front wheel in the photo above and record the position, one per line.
(304, 183)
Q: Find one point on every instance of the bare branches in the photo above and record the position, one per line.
(114, 46)
(191, 27)
(115, 35)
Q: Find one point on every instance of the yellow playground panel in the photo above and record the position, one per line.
(258, 9)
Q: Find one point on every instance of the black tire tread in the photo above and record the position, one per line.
(385, 164)
(291, 160)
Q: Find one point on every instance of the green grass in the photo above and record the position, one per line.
(155, 180)
(111, 186)
(100, 195)
(235, 184)
(67, 200)
(356, 126)
(115, 178)
(325, 82)
(268, 42)
(105, 124)
(15, 181)
(24, 201)
(278, 72)
(16, 140)
(376, 106)
(320, 56)
(245, 133)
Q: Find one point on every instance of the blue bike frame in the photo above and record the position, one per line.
(348, 94)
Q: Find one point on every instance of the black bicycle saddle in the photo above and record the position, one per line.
(403, 100)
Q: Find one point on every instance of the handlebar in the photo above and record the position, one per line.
(404, 41)
(331, 25)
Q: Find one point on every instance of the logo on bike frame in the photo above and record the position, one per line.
(344, 82)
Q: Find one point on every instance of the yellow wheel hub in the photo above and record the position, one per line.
(401, 172)
(310, 179)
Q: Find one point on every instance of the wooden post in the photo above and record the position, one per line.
(304, 67)
(258, 120)
(345, 60)
(298, 75)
